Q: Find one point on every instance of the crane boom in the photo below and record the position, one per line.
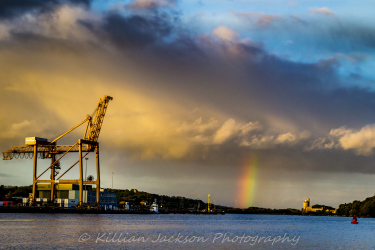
(94, 125)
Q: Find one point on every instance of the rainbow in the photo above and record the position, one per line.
(247, 183)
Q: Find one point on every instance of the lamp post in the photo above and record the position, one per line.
(112, 180)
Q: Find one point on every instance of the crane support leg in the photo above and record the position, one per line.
(34, 172)
(97, 176)
(80, 173)
(52, 179)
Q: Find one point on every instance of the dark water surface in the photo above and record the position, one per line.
(107, 231)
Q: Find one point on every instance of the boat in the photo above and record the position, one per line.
(154, 208)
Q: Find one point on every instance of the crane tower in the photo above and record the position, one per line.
(43, 149)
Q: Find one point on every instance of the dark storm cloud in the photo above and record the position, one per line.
(134, 31)
(353, 35)
(244, 85)
(206, 72)
(13, 8)
(297, 89)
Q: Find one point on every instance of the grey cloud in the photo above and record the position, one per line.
(134, 31)
(354, 36)
(299, 20)
(337, 35)
(261, 20)
(150, 4)
(41, 42)
(13, 8)
(323, 10)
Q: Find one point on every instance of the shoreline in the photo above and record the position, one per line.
(52, 210)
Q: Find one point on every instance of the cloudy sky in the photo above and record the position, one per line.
(202, 91)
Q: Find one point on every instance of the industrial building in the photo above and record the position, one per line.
(71, 192)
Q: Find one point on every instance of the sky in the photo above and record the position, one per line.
(257, 103)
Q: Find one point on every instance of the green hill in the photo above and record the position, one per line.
(364, 208)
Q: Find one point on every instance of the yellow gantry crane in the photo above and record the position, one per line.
(40, 148)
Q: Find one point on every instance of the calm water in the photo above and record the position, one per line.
(76, 231)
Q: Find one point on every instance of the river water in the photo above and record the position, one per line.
(173, 231)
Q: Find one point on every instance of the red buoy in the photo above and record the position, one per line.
(354, 221)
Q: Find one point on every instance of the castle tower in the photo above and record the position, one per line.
(306, 203)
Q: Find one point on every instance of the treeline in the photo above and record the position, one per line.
(323, 206)
(133, 196)
(177, 202)
(364, 208)
(14, 191)
(260, 210)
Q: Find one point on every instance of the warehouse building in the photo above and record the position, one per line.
(71, 191)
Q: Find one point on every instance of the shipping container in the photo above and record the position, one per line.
(71, 201)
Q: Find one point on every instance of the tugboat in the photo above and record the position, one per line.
(354, 221)
(154, 207)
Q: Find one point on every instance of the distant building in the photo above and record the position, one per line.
(306, 208)
(306, 204)
(71, 191)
